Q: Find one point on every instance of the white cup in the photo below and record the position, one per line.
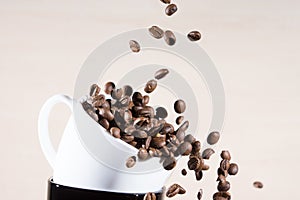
(75, 166)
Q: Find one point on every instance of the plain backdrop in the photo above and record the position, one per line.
(254, 45)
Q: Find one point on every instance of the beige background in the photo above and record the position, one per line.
(254, 44)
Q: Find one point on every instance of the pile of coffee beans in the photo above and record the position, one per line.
(226, 168)
(127, 116)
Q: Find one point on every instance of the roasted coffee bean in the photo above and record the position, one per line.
(139, 134)
(179, 106)
(148, 141)
(189, 138)
(134, 46)
(196, 147)
(94, 90)
(226, 155)
(171, 9)
(103, 122)
(175, 189)
(200, 194)
(194, 163)
(156, 129)
(117, 94)
(86, 106)
(127, 90)
(213, 138)
(127, 116)
(169, 163)
(150, 86)
(161, 112)
(158, 142)
(145, 100)
(150, 196)
(198, 174)
(106, 114)
(137, 98)
(142, 154)
(170, 38)
(222, 172)
(131, 162)
(205, 167)
(258, 184)
(167, 128)
(109, 87)
(223, 186)
(161, 73)
(185, 149)
(127, 138)
(156, 32)
(207, 153)
(129, 129)
(194, 35)
(233, 169)
(179, 120)
(225, 164)
(135, 110)
(184, 126)
(180, 135)
(221, 196)
(166, 1)
(184, 172)
(114, 131)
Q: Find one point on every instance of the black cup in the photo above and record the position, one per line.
(60, 192)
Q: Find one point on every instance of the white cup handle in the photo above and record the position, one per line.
(43, 130)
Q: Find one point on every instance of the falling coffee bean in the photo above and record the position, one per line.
(131, 162)
(156, 32)
(179, 106)
(200, 194)
(150, 86)
(174, 190)
(258, 184)
(150, 196)
(109, 87)
(233, 169)
(199, 175)
(207, 153)
(142, 154)
(103, 122)
(161, 73)
(179, 120)
(145, 100)
(170, 38)
(134, 46)
(194, 36)
(194, 163)
(184, 172)
(114, 131)
(205, 167)
(161, 112)
(166, 1)
(223, 186)
(137, 98)
(225, 155)
(196, 147)
(171, 9)
(221, 196)
(213, 138)
(225, 164)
